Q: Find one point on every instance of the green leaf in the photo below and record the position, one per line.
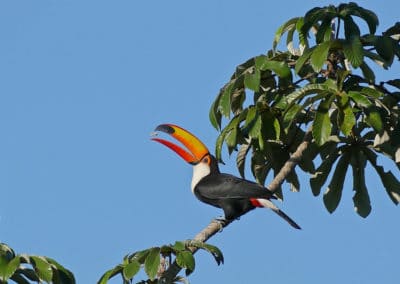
(270, 128)
(318, 179)
(389, 181)
(384, 48)
(291, 114)
(179, 246)
(303, 59)
(255, 127)
(215, 116)
(306, 164)
(324, 32)
(289, 42)
(152, 262)
(374, 118)
(216, 252)
(279, 67)
(293, 180)
(346, 118)
(8, 268)
(351, 29)
(106, 276)
(233, 124)
(288, 26)
(362, 204)
(241, 158)
(322, 124)
(360, 99)
(42, 268)
(376, 58)
(252, 80)
(237, 100)
(353, 51)
(186, 260)
(130, 270)
(60, 273)
(29, 274)
(225, 101)
(319, 55)
(394, 83)
(333, 193)
(367, 72)
(367, 15)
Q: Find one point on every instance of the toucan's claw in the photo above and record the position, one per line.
(222, 222)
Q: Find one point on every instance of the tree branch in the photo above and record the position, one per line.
(294, 159)
(216, 226)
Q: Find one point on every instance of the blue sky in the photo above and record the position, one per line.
(84, 83)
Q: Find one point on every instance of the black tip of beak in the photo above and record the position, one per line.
(165, 128)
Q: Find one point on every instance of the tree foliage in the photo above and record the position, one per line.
(324, 81)
(156, 260)
(323, 84)
(25, 269)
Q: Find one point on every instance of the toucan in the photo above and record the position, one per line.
(235, 196)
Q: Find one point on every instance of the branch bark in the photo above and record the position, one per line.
(216, 226)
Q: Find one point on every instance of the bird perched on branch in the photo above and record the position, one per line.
(236, 196)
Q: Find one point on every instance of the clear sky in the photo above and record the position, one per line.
(82, 86)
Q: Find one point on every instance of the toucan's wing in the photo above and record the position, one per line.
(226, 186)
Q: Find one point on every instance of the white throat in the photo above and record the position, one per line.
(199, 171)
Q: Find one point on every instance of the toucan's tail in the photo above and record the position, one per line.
(268, 204)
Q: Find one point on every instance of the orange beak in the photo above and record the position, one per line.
(197, 150)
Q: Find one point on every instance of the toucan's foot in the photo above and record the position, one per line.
(221, 221)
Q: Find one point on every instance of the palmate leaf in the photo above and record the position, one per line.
(186, 260)
(318, 179)
(152, 262)
(367, 72)
(224, 105)
(346, 117)
(368, 16)
(286, 27)
(8, 267)
(350, 28)
(361, 200)
(130, 270)
(109, 274)
(394, 83)
(280, 68)
(333, 193)
(42, 268)
(360, 99)
(24, 268)
(353, 50)
(319, 55)
(252, 81)
(389, 181)
(384, 47)
(303, 59)
(213, 250)
(322, 124)
(317, 14)
(324, 32)
(374, 118)
(215, 115)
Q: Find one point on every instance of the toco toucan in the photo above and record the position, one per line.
(236, 196)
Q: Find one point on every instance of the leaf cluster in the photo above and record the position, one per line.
(323, 81)
(156, 260)
(25, 269)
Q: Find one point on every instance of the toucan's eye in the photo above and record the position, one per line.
(206, 160)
